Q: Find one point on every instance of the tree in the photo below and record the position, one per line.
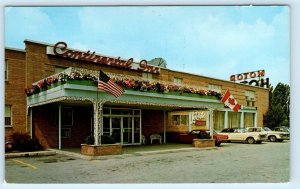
(279, 100)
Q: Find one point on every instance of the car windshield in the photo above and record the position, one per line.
(267, 129)
(241, 130)
(284, 129)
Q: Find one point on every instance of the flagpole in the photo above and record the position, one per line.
(99, 138)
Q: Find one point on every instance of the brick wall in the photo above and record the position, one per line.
(46, 129)
(35, 64)
(14, 91)
(152, 122)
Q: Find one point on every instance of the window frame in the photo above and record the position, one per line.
(177, 120)
(250, 98)
(214, 87)
(147, 75)
(177, 79)
(66, 132)
(63, 114)
(63, 109)
(10, 120)
(6, 70)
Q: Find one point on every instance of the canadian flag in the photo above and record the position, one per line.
(229, 101)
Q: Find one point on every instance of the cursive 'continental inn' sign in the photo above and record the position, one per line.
(60, 49)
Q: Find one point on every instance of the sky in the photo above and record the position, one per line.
(214, 41)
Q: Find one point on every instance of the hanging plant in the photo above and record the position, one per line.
(138, 85)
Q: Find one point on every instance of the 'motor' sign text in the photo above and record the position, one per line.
(243, 77)
(247, 75)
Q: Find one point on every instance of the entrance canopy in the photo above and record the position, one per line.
(79, 86)
(69, 88)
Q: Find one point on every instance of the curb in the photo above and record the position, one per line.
(28, 154)
(86, 157)
(166, 151)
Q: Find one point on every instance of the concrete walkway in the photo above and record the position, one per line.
(136, 153)
(27, 154)
(127, 152)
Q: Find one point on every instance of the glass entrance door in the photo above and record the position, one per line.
(127, 130)
(123, 124)
(116, 128)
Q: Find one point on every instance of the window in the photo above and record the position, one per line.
(6, 70)
(147, 75)
(59, 69)
(250, 98)
(8, 116)
(67, 116)
(180, 120)
(213, 87)
(177, 80)
(66, 133)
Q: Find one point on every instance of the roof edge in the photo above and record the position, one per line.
(198, 75)
(15, 49)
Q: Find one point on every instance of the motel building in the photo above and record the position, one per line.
(51, 93)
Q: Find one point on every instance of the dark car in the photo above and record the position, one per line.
(202, 134)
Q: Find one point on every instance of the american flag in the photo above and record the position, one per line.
(108, 85)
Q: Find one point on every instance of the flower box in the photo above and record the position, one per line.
(201, 143)
(81, 82)
(101, 150)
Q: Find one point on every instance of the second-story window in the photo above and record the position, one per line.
(6, 70)
(250, 98)
(8, 116)
(177, 80)
(59, 69)
(147, 75)
(213, 87)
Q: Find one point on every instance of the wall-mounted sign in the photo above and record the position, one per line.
(199, 118)
(60, 49)
(255, 76)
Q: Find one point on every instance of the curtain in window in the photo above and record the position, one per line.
(248, 120)
(234, 119)
(218, 120)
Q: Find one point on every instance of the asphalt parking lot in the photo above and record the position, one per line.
(231, 163)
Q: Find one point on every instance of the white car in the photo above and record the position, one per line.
(273, 136)
(241, 134)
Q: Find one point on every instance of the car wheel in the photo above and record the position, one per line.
(273, 138)
(250, 140)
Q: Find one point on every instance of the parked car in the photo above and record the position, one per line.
(241, 134)
(272, 136)
(282, 129)
(202, 134)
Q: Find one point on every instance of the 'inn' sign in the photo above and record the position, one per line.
(60, 49)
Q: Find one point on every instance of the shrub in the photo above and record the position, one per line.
(89, 140)
(105, 139)
(22, 142)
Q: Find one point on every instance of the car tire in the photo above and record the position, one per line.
(250, 140)
(273, 138)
